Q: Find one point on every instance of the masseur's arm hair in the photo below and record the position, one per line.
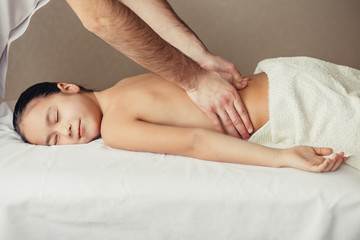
(120, 27)
(161, 17)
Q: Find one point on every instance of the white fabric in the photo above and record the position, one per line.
(14, 19)
(312, 102)
(94, 192)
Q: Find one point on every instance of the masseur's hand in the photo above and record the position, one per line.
(226, 69)
(222, 103)
(311, 159)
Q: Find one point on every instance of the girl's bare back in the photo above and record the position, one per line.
(152, 99)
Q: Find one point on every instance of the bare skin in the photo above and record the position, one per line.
(148, 113)
(158, 101)
(150, 33)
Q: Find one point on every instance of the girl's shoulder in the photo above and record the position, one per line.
(137, 79)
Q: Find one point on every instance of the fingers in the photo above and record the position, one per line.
(226, 76)
(236, 120)
(233, 116)
(322, 166)
(234, 125)
(222, 66)
(336, 161)
(223, 105)
(323, 151)
(216, 121)
(229, 121)
(244, 115)
(228, 124)
(331, 164)
(226, 66)
(340, 161)
(239, 83)
(235, 74)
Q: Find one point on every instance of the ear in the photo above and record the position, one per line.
(68, 88)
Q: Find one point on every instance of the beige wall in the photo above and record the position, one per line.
(57, 48)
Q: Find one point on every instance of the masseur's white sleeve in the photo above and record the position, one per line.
(14, 19)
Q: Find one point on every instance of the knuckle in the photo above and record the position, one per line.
(211, 108)
(232, 67)
(239, 103)
(243, 111)
(237, 121)
(227, 122)
(226, 101)
(233, 93)
(217, 99)
(229, 78)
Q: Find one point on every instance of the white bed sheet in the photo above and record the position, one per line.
(94, 192)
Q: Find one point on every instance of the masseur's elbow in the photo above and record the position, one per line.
(98, 20)
(89, 12)
(94, 24)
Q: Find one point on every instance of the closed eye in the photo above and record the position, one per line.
(56, 139)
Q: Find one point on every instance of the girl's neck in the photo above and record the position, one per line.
(96, 98)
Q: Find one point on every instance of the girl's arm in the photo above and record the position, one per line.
(137, 135)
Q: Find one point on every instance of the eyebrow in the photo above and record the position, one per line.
(48, 122)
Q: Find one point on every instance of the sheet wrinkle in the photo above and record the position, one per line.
(101, 193)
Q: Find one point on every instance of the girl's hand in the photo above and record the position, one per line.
(311, 159)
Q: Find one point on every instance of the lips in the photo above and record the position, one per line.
(79, 129)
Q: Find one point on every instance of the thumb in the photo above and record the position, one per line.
(241, 82)
(240, 85)
(322, 151)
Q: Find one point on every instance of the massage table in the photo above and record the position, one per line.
(92, 191)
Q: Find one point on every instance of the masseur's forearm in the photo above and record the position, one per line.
(120, 27)
(214, 146)
(160, 16)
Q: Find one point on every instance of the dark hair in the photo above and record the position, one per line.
(43, 89)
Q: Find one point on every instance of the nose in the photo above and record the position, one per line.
(66, 132)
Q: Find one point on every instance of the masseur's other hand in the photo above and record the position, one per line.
(222, 103)
(226, 69)
(311, 159)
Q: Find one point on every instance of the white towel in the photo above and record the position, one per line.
(312, 102)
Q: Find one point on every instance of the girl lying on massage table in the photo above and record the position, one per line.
(147, 113)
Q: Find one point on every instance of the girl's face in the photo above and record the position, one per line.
(69, 117)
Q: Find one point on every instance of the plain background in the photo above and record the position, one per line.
(56, 47)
